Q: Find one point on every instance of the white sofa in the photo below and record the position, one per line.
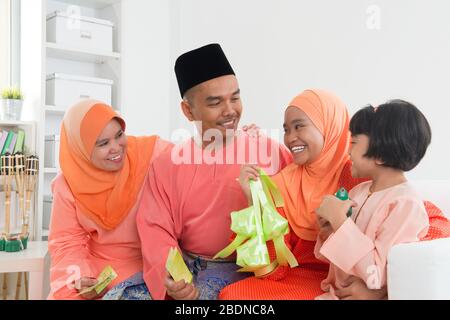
(422, 270)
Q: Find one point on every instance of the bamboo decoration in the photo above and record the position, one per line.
(31, 172)
(25, 276)
(19, 169)
(7, 172)
(5, 286)
(19, 285)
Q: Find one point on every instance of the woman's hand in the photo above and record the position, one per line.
(180, 290)
(356, 289)
(334, 210)
(86, 282)
(248, 172)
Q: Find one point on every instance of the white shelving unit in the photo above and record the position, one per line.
(54, 110)
(75, 60)
(51, 170)
(58, 51)
(30, 131)
(29, 127)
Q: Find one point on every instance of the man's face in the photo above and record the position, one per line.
(215, 103)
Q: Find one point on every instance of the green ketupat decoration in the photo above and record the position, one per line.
(256, 225)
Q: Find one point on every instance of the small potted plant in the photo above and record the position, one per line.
(11, 107)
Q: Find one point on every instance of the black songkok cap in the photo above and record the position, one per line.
(200, 65)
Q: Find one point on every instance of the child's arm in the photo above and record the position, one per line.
(325, 230)
(248, 172)
(356, 253)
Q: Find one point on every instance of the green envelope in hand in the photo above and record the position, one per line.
(176, 267)
(103, 280)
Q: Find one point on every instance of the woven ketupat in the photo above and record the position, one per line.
(303, 282)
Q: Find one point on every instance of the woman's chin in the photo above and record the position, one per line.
(113, 166)
(300, 159)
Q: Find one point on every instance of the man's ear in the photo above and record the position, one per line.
(187, 110)
(379, 162)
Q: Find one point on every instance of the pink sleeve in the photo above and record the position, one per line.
(317, 247)
(355, 253)
(161, 146)
(67, 244)
(156, 231)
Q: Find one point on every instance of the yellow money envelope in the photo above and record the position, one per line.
(176, 267)
(103, 280)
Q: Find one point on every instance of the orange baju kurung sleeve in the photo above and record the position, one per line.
(67, 244)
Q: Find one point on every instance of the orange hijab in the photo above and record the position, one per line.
(106, 197)
(303, 187)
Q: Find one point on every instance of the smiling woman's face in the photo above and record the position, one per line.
(301, 136)
(110, 148)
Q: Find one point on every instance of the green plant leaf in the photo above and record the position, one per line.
(12, 93)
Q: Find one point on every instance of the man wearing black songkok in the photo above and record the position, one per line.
(188, 202)
(209, 89)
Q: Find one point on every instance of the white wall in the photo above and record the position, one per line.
(5, 41)
(279, 48)
(9, 43)
(145, 50)
(31, 50)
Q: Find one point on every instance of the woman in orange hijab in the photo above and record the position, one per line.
(94, 199)
(316, 132)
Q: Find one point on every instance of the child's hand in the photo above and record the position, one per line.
(334, 210)
(248, 171)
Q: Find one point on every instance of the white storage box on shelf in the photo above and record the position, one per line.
(48, 200)
(64, 90)
(51, 158)
(79, 31)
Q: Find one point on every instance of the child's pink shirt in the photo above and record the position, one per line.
(388, 217)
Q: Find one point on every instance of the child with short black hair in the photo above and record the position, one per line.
(386, 141)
